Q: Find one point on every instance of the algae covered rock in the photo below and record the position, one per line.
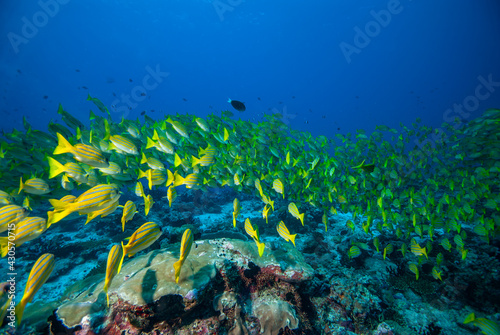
(144, 294)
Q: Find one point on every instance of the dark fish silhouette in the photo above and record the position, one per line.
(238, 105)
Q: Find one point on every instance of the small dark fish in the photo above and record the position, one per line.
(114, 94)
(77, 70)
(324, 116)
(184, 99)
(306, 121)
(85, 87)
(45, 96)
(357, 96)
(210, 107)
(143, 94)
(293, 96)
(238, 105)
(18, 71)
(281, 102)
(310, 110)
(152, 111)
(258, 98)
(338, 128)
(143, 112)
(130, 80)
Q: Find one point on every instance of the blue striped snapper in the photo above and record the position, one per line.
(34, 186)
(81, 152)
(129, 210)
(285, 234)
(98, 197)
(25, 230)
(142, 238)
(186, 244)
(9, 214)
(39, 274)
(113, 266)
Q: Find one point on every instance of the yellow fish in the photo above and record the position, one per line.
(34, 186)
(81, 152)
(186, 244)
(142, 238)
(236, 210)
(39, 274)
(25, 230)
(292, 208)
(148, 203)
(123, 145)
(283, 232)
(98, 197)
(129, 211)
(11, 214)
(254, 233)
(113, 266)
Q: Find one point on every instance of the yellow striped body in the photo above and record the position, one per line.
(284, 233)
(39, 274)
(186, 244)
(129, 211)
(34, 186)
(142, 238)
(123, 145)
(11, 213)
(113, 266)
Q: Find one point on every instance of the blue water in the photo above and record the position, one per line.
(308, 61)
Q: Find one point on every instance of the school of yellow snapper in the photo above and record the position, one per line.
(410, 183)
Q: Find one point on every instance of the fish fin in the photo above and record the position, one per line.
(261, 247)
(195, 161)
(91, 216)
(301, 216)
(19, 312)
(292, 239)
(123, 223)
(4, 246)
(177, 268)
(150, 143)
(121, 261)
(63, 145)
(21, 185)
(56, 168)
(57, 216)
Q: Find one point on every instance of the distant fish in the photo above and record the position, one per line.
(238, 105)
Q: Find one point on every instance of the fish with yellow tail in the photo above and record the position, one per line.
(113, 266)
(417, 250)
(129, 210)
(39, 274)
(487, 326)
(11, 214)
(81, 152)
(285, 234)
(292, 208)
(236, 210)
(186, 244)
(142, 238)
(25, 230)
(122, 145)
(148, 203)
(254, 233)
(171, 195)
(34, 186)
(98, 197)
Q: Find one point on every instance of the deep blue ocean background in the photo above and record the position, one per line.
(276, 56)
